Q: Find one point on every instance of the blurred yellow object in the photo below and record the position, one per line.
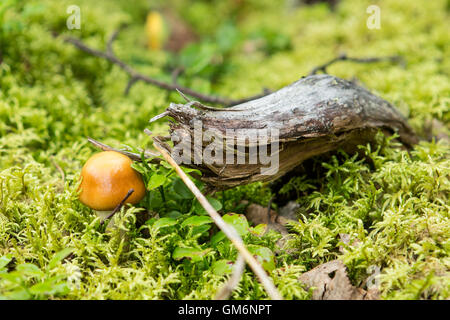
(155, 30)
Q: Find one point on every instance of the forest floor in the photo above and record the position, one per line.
(385, 216)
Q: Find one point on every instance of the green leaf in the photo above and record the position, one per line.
(264, 256)
(17, 294)
(164, 222)
(258, 230)
(196, 57)
(222, 267)
(151, 221)
(227, 37)
(200, 229)
(14, 277)
(196, 221)
(49, 287)
(42, 288)
(61, 288)
(216, 204)
(190, 170)
(59, 256)
(218, 237)
(155, 181)
(193, 254)
(174, 214)
(30, 269)
(238, 221)
(166, 165)
(180, 189)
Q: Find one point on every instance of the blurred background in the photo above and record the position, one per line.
(230, 48)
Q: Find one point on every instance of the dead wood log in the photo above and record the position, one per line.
(314, 115)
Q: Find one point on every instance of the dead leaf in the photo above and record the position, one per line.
(435, 129)
(257, 214)
(331, 282)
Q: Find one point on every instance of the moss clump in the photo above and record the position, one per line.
(392, 208)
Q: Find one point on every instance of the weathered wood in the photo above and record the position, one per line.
(314, 115)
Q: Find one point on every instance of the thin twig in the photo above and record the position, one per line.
(344, 57)
(136, 76)
(117, 208)
(159, 116)
(132, 155)
(58, 167)
(183, 96)
(113, 37)
(175, 74)
(238, 269)
(129, 85)
(229, 231)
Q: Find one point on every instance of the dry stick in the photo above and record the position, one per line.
(116, 209)
(344, 57)
(136, 76)
(61, 171)
(230, 232)
(112, 38)
(176, 73)
(132, 155)
(238, 269)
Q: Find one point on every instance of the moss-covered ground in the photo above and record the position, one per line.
(393, 204)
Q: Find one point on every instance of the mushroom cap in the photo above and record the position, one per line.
(107, 178)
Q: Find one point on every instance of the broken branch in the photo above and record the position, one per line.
(344, 57)
(136, 76)
(313, 116)
(117, 208)
(131, 155)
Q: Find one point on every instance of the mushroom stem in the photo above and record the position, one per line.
(103, 215)
(116, 209)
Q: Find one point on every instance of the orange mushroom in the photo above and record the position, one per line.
(107, 179)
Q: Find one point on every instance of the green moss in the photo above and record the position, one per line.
(393, 205)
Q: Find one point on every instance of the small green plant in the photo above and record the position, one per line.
(28, 281)
(271, 41)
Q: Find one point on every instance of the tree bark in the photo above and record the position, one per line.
(314, 115)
